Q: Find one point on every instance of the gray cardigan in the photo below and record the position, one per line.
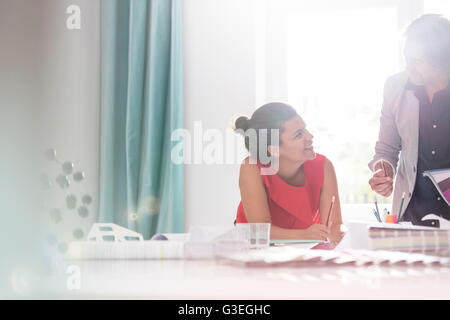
(398, 140)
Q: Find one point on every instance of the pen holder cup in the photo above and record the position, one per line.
(391, 218)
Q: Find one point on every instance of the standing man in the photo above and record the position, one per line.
(415, 123)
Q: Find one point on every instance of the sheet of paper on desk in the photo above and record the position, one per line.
(305, 244)
(291, 256)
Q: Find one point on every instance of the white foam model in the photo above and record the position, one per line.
(112, 232)
(110, 241)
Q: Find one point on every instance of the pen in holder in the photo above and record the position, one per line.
(385, 214)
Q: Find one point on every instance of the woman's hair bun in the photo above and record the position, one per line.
(241, 123)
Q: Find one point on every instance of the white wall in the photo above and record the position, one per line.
(18, 93)
(52, 75)
(49, 76)
(219, 82)
(70, 92)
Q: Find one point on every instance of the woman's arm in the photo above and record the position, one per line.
(254, 201)
(330, 189)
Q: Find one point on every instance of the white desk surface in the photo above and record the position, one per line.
(209, 279)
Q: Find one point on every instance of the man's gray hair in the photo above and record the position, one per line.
(433, 32)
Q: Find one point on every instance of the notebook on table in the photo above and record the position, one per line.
(441, 180)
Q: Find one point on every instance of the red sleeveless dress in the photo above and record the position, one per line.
(293, 207)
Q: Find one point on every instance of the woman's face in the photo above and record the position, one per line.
(296, 142)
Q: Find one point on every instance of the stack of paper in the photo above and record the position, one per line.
(386, 236)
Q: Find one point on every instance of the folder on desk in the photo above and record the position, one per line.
(441, 180)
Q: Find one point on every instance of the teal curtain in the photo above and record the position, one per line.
(142, 103)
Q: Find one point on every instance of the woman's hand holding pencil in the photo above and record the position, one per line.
(335, 234)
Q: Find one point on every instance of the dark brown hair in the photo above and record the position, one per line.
(269, 116)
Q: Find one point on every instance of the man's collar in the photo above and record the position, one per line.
(411, 86)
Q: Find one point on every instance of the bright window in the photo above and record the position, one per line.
(330, 59)
(437, 6)
(337, 62)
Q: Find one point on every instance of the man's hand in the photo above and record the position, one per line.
(382, 183)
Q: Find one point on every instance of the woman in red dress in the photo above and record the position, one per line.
(295, 199)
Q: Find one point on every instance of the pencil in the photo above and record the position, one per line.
(376, 206)
(384, 168)
(401, 206)
(333, 198)
(376, 215)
